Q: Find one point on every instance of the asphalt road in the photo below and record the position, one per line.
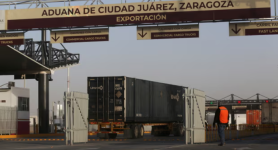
(266, 142)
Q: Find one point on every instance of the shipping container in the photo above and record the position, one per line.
(253, 117)
(269, 113)
(120, 102)
(113, 99)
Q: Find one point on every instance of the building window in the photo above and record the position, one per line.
(23, 104)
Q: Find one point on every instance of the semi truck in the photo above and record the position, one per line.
(120, 104)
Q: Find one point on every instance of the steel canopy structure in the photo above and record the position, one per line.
(37, 60)
(14, 62)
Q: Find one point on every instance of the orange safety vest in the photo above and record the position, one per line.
(223, 116)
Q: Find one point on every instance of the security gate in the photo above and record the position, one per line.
(194, 116)
(76, 107)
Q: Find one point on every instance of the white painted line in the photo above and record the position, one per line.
(176, 146)
(45, 147)
(34, 148)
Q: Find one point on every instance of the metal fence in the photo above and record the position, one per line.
(8, 120)
(235, 132)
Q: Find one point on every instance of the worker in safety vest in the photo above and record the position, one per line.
(222, 119)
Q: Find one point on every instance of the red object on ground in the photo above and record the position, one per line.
(253, 117)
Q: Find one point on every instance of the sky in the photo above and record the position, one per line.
(215, 63)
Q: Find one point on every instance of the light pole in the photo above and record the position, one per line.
(60, 120)
(59, 108)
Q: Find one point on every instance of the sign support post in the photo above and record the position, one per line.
(185, 116)
(43, 79)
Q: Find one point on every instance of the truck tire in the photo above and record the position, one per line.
(141, 131)
(135, 131)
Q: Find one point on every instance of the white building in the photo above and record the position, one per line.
(14, 111)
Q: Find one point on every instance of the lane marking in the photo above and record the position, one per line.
(242, 148)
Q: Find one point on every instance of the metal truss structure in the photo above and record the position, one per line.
(52, 57)
(43, 3)
(230, 100)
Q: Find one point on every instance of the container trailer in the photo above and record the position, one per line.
(253, 117)
(119, 104)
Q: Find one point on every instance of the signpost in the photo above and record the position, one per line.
(167, 32)
(79, 36)
(12, 39)
(136, 13)
(253, 28)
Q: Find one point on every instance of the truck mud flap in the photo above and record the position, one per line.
(102, 135)
(128, 133)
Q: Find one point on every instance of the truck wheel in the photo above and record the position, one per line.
(135, 131)
(141, 131)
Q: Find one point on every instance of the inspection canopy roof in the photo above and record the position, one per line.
(14, 62)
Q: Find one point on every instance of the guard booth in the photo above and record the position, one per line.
(14, 110)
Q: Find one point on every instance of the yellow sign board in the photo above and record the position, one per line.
(12, 39)
(79, 36)
(167, 32)
(253, 28)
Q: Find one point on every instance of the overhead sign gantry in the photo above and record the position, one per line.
(134, 13)
(148, 13)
